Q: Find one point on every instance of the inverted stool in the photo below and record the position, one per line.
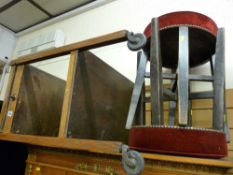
(179, 41)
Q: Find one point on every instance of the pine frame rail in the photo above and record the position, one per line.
(92, 43)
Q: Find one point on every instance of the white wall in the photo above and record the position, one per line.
(7, 42)
(134, 15)
(7, 46)
(57, 66)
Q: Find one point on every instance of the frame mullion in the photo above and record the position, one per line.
(7, 96)
(12, 102)
(68, 95)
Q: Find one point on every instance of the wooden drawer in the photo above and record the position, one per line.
(59, 162)
(47, 169)
(42, 162)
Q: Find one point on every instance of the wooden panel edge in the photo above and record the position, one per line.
(95, 146)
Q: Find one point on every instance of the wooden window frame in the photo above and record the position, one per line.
(61, 141)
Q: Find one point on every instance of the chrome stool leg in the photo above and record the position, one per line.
(219, 81)
(156, 76)
(137, 90)
(172, 104)
(140, 111)
(183, 76)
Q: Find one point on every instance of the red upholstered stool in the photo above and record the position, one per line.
(179, 141)
(179, 41)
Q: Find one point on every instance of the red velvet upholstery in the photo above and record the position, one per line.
(179, 141)
(185, 18)
(202, 37)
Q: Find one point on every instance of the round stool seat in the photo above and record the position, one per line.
(202, 37)
(179, 141)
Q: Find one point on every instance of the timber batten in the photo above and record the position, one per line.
(104, 147)
(108, 39)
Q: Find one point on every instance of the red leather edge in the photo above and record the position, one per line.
(185, 18)
(178, 141)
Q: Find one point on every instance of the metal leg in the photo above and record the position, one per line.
(140, 111)
(137, 90)
(156, 76)
(183, 76)
(212, 65)
(172, 112)
(226, 128)
(190, 113)
(172, 104)
(189, 108)
(219, 81)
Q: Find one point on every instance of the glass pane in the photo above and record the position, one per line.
(101, 96)
(40, 98)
